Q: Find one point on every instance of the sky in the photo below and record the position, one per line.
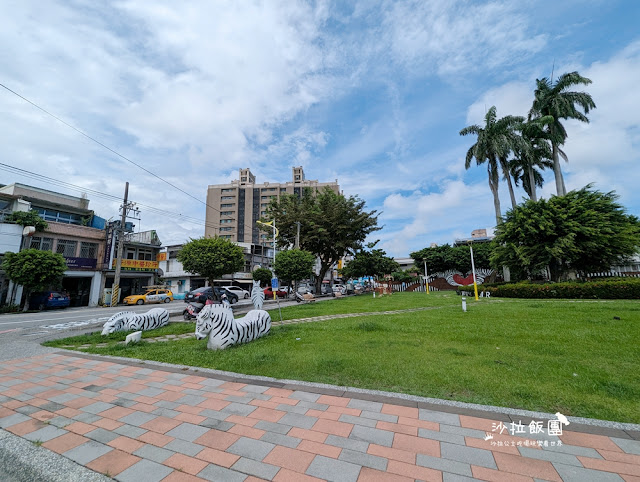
(373, 93)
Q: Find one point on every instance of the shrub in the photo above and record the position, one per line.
(624, 289)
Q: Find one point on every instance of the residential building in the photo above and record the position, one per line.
(233, 209)
(73, 231)
(139, 267)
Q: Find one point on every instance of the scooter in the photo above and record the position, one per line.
(192, 309)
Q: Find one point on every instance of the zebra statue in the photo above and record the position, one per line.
(257, 295)
(224, 330)
(128, 321)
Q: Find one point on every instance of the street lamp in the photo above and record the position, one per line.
(473, 270)
(272, 224)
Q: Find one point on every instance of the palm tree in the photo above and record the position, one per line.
(532, 154)
(492, 146)
(556, 100)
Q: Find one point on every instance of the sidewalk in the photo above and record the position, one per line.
(138, 421)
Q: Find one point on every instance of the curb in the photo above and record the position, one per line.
(24, 461)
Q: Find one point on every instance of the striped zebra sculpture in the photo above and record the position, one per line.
(225, 330)
(128, 321)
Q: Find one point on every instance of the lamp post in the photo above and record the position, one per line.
(272, 224)
(426, 278)
(473, 270)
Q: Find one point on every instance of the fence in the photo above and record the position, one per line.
(413, 286)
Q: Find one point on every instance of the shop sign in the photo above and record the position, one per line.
(80, 263)
(136, 265)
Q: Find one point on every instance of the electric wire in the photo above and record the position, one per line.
(105, 146)
(99, 194)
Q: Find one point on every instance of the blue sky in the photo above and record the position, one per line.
(372, 93)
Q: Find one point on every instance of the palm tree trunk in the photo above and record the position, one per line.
(496, 200)
(507, 176)
(557, 171)
(532, 184)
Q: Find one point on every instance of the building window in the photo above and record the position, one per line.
(66, 248)
(283, 189)
(243, 179)
(226, 229)
(227, 197)
(297, 177)
(89, 250)
(228, 190)
(145, 255)
(59, 217)
(264, 205)
(226, 236)
(263, 213)
(226, 221)
(226, 213)
(43, 244)
(270, 189)
(227, 205)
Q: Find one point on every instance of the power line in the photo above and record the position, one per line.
(102, 195)
(105, 146)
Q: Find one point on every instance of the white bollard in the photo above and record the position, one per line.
(464, 304)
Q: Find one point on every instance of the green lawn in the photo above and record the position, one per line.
(567, 356)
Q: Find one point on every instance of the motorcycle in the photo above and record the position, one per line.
(193, 308)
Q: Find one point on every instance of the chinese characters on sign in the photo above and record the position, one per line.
(137, 265)
(554, 428)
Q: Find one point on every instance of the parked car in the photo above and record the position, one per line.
(306, 288)
(222, 290)
(268, 294)
(326, 289)
(338, 288)
(241, 293)
(151, 296)
(49, 299)
(201, 295)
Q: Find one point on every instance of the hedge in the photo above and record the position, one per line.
(626, 289)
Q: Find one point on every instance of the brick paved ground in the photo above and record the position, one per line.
(150, 424)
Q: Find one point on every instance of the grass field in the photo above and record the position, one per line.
(560, 355)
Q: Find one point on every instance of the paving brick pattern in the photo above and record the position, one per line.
(138, 423)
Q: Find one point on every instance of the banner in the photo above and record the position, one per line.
(136, 265)
(80, 263)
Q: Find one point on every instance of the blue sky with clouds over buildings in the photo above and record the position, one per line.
(373, 93)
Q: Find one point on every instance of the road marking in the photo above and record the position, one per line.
(7, 331)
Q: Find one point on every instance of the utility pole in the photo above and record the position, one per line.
(298, 235)
(115, 290)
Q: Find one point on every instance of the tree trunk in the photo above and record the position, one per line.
(496, 201)
(26, 301)
(532, 184)
(507, 176)
(323, 270)
(557, 171)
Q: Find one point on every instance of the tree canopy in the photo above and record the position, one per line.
(211, 257)
(331, 225)
(294, 265)
(35, 270)
(444, 257)
(28, 218)
(374, 262)
(263, 275)
(585, 230)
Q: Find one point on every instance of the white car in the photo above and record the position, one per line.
(242, 293)
(337, 288)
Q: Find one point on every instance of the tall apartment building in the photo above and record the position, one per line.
(233, 209)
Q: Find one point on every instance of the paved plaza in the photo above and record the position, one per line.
(135, 421)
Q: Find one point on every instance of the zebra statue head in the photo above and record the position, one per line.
(116, 322)
(211, 315)
(257, 295)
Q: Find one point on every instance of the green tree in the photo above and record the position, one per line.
(374, 262)
(35, 270)
(211, 257)
(331, 225)
(263, 275)
(494, 142)
(403, 276)
(583, 231)
(294, 265)
(559, 102)
(28, 218)
(444, 258)
(532, 153)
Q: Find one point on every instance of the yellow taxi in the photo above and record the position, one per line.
(151, 296)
